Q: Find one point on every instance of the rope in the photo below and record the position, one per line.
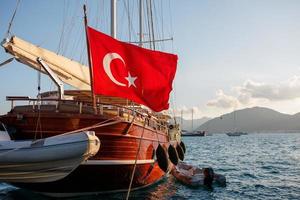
(60, 43)
(131, 123)
(152, 26)
(12, 19)
(148, 23)
(100, 124)
(135, 163)
(127, 6)
(38, 122)
(7, 61)
(38, 125)
(162, 23)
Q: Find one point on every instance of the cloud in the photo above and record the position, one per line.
(223, 101)
(248, 94)
(286, 90)
(252, 93)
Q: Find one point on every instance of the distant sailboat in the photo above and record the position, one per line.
(235, 132)
(193, 132)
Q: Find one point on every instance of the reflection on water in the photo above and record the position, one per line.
(257, 166)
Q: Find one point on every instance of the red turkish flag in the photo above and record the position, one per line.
(125, 70)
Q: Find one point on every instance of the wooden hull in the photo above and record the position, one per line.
(93, 179)
(111, 168)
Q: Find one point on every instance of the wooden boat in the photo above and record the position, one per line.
(130, 134)
(120, 132)
(45, 160)
(111, 168)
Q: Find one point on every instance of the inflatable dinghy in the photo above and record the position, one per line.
(194, 176)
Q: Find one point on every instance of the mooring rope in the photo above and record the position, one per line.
(135, 162)
(97, 125)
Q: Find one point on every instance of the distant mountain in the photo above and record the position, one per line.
(256, 119)
(187, 124)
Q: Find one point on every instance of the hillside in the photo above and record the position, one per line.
(256, 119)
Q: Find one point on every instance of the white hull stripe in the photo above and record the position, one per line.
(117, 162)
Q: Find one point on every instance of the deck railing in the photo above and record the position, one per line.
(128, 113)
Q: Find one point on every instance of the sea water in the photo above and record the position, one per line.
(257, 166)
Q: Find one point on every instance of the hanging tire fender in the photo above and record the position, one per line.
(180, 152)
(183, 146)
(162, 158)
(173, 156)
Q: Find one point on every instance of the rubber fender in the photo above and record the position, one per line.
(162, 158)
(183, 146)
(180, 152)
(173, 156)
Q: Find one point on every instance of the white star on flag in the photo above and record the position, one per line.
(130, 80)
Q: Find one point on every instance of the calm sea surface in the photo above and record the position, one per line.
(257, 166)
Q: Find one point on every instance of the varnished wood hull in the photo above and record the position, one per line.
(111, 168)
(93, 179)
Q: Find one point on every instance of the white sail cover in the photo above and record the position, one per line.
(69, 71)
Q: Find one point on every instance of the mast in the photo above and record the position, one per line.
(181, 115)
(234, 119)
(235, 128)
(89, 59)
(141, 22)
(192, 119)
(113, 15)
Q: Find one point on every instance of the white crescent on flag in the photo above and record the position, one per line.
(106, 65)
(108, 58)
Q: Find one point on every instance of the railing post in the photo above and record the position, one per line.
(80, 107)
(101, 109)
(57, 107)
(12, 104)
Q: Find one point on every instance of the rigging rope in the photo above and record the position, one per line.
(127, 6)
(38, 125)
(7, 61)
(152, 26)
(38, 122)
(162, 23)
(149, 24)
(62, 30)
(98, 125)
(135, 162)
(12, 19)
(172, 48)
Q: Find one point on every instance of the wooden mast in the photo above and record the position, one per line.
(89, 59)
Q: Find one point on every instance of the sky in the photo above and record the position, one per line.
(232, 54)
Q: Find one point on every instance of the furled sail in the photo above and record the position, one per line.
(69, 71)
